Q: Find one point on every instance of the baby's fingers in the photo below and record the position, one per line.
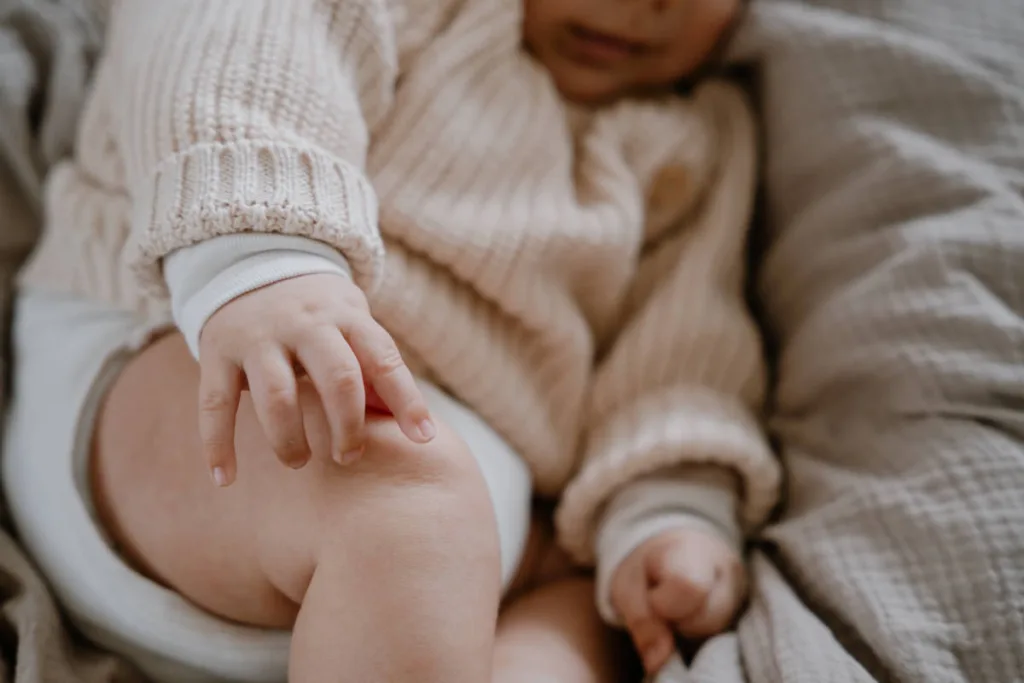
(220, 385)
(651, 635)
(720, 607)
(388, 374)
(334, 371)
(275, 398)
(681, 581)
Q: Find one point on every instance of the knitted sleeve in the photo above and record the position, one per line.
(250, 116)
(683, 382)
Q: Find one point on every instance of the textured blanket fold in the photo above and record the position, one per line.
(46, 52)
(894, 285)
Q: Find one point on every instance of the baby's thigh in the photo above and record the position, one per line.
(543, 561)
(248, 552)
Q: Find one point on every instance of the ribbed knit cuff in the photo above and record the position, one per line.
(665, 429)
(222, 189)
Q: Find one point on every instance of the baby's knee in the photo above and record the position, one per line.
(437, 485)
(422, 507)
(392, 462)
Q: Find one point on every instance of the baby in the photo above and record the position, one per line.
(437, 257)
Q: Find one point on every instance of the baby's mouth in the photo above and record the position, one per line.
(598, 48)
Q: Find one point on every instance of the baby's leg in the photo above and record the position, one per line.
(553, 634)
(550, 631)
(394, 561)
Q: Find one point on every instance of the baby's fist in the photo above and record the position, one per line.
(686, 580)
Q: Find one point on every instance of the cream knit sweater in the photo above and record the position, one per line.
(575, 277)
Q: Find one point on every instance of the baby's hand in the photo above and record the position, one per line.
(321, 324)
(685, 580)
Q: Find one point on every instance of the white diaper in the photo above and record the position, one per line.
(67, 351)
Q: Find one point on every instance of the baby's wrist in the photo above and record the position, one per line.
(615, 547)
(205, 277)
(703, 499)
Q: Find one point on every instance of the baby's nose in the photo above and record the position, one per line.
(655, 6)
(641, 13)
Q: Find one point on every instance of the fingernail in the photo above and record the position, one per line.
(427, 430)
(350, 457)
(220, 477)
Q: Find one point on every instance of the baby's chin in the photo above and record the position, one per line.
(588, 88)
(594, 90)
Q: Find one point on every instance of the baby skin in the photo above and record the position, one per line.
(376, 543)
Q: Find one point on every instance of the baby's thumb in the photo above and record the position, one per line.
(651, 636)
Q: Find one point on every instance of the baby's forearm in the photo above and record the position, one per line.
(701, 496)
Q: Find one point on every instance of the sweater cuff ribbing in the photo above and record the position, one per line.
(677, 426)
(212, 190)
